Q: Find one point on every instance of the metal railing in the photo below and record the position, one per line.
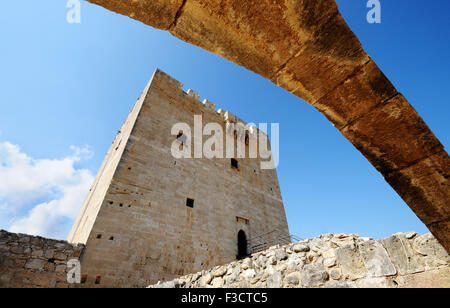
(272, 238)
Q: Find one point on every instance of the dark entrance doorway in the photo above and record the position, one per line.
(242, 245)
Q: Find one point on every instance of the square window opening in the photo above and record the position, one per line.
(190, 202)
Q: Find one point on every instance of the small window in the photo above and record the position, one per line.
(97, 279)
(190, 203)
(83, 279)
(99, 236)
(234, 163)
(111, 238)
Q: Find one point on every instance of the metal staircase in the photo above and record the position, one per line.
(269, 239)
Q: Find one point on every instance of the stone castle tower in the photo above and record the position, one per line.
(151, 217)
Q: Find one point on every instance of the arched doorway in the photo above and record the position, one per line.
(242, 245)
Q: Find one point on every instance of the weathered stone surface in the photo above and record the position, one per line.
(165, 285)
(37, 253)
(341, 240)
(220, 272)
(227, 30)
(410, 235)
(376, 259)
(380, 134)
(402, 255)
(35, 264)
(430, 279)
(335, 274)
(300, 248)
(434, 253)
(207, 279)
(441, 230)
(295, 263)
(356, 96)
(280, 255)
(425, 186)
(275, 281)
(338, 285)
(313, 275)
(156, 13)
(293, 279)
(350, 261)
(217, 282)
(323, 58)
(248, 263)
(373, 282)
(329, 262)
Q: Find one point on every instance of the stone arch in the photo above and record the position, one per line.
(307, 48)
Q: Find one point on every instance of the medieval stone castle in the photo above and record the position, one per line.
(151, 217)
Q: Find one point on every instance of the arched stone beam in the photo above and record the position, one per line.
(305, 47)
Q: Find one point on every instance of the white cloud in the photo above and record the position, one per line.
(41, 196)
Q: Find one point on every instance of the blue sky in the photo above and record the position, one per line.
(67, 88)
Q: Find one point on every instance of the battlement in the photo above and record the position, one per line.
(226, 116)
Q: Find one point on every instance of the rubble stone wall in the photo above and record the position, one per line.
(34, 262)
(333, 261)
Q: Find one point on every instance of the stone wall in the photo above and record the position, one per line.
(31, 262)
(334, 261)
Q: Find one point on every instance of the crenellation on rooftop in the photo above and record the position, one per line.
(227, 116)
(193, 94)
(208, 104)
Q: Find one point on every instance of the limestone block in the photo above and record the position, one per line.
(300, 248)
(376, 259)
(339, 285)
(439, 278)
(425, 186)
(379, 135)
(35, 264)
(341, 240)
(220, 271)
(356, 96)
(275, 280)
(402, 255)
(217, 282)
(373, 282)
(329, 262)
(434, 254)
(335, 274)
(313, 275)
(293, 279)
(37, 253)
(350, 262)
